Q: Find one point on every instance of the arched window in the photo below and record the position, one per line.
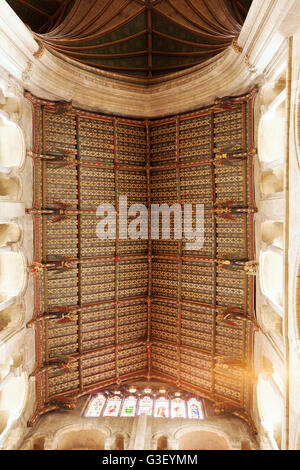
(178, 409)
(129, 406)
(145, 406)
(95, 406)
(195, 410)
(113, 406)
(161, 408)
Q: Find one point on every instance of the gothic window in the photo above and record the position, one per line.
(178, 409)
(161, 408)
(195, 409)
(129, 406)
(113, 406)
(145, 406)
(95, 406)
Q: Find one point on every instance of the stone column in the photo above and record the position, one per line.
(140, 434)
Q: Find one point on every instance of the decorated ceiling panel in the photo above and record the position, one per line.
(111, 311)
(140, 38)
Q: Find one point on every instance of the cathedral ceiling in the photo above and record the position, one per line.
(114, 311)
(140, 38)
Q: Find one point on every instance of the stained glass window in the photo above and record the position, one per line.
(113, 406)
(129, 406)
(145, 406)
(95, 406)
(195, 409)
(178, 408)
(161, 408)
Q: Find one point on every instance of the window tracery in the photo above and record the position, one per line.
(134, 402)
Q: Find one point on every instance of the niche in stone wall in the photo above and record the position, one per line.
(272, 233)
(272, 181)
(10, 317)
(9, 186)
(202, 440)
(9, 233)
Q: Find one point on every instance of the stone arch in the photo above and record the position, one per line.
(202, 440)
(12, 144)
(13, 274)
(271, 275)
(91, 439)
(270, 407)
(10, 186)
(13, 395)
(199, 437)
(81, 437)
(272, 181)
(272, 233)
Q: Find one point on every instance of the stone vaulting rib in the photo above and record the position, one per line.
(113, 311)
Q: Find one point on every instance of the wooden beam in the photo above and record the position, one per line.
(149, 36)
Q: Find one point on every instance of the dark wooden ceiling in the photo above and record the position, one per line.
(141, 38)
